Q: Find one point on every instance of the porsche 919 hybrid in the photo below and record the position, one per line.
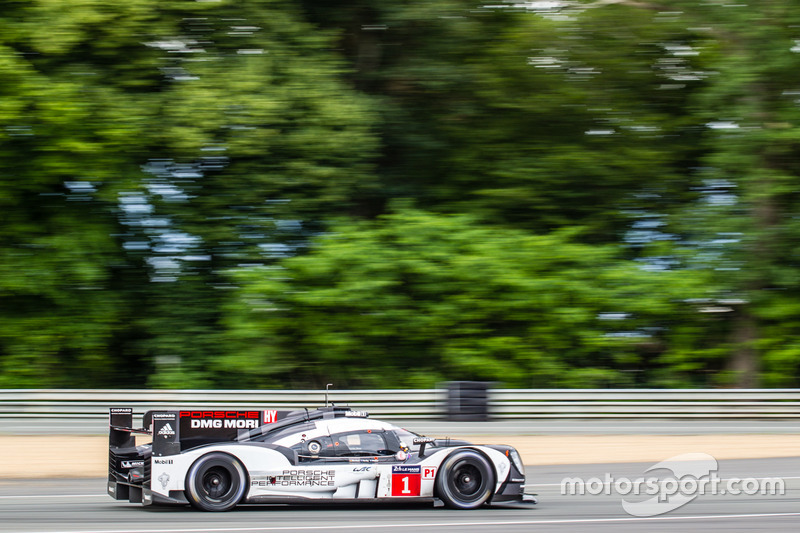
(215, 460)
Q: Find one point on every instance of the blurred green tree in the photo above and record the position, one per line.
(260, 142)
(745, 219)
(590, 193)
(414, 298)
(522, 117)
(69, 80)
(738, 214)
(146, 148)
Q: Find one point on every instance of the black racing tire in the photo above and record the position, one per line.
(466, 480)
(216, 482)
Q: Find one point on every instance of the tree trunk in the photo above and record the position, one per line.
(744, 361)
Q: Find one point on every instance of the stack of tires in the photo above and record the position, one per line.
(468, 401)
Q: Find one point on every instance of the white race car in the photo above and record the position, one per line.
(216, 459)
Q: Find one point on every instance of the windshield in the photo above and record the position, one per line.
(407, 438)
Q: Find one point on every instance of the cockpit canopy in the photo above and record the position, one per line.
(335, 433)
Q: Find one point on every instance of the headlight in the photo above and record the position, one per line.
(516, 460)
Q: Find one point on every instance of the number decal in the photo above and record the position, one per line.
(406, 480)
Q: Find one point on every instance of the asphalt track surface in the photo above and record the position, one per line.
(81, 506)
(622, 426)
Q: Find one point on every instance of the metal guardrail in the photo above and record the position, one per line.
(418, 403)
(87, 404)
(645, 403)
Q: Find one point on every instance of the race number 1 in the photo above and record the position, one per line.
(405, 480)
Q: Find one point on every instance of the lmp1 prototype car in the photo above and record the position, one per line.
(215, 460)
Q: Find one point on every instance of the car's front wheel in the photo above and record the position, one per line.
(216, 482)
(465, 480)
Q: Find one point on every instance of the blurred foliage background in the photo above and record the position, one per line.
(232, 194)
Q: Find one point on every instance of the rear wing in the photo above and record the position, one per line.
(175, 431)
(125, 463)
(120, 428)
(129, 465)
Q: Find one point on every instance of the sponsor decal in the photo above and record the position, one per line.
(164, 479)
(166, 430)
(163, 416)
(121, 410)
(220, 419)
(356, 414)
(429, 472)
(362, 469)
(423, 440)
(227, 415)
(162, 461)
(132, 464)
(270, 416)
(298, 478)
(227, 424)
(406, 469)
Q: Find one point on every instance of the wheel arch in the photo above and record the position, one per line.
(478, 450)
(245, 481)
(489, 460)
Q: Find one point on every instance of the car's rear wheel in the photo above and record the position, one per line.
(216, 482)
(466, 480)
